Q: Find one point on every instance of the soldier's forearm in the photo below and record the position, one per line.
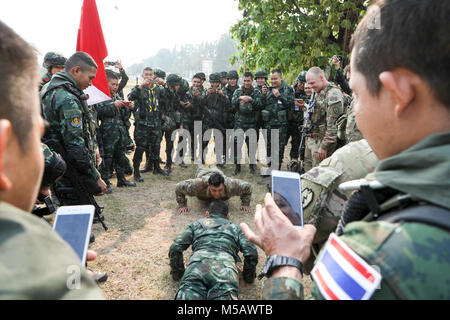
(282, 288)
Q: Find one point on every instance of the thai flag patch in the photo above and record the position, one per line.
(341, 274)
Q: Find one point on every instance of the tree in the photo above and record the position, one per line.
(294, 35)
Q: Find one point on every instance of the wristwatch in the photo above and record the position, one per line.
(274, 261)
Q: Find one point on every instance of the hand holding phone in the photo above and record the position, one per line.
(73, 224)
(286, 192)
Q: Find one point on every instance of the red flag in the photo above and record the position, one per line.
(90, 40)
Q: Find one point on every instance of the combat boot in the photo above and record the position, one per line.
(148, 166)
(157, 169)
(253, 168)
(182, 164)
(237, 170)
(108, 186)
(122, 182)
(168, 166)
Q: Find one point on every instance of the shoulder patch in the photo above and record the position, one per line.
(75, 121)
(307, 197)
(341, 274)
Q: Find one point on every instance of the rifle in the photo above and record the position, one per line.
(306, 126)
(80, 186)
(216, 122)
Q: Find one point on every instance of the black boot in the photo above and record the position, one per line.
(122, 182)
(237, 170)
(168, 166)
(108, 186)
(157, 169)
(148, 164)
(182, 164)
(160, 160)
(252, 168)
(136, 162)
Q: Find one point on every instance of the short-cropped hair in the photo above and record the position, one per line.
(80, 59)
(218, 207)
(216, 179)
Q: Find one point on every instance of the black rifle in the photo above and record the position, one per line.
(306, 126)
(216, 122)
(80, 185)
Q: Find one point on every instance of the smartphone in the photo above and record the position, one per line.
(286, 192)
(73, 224)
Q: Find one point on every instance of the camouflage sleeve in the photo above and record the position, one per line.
(235, 100)
(237, 187)
(250, 253)
(186, 188)
(282, 288)
(123, 81)
(257, 100)
(287, 97)
(106, 109)
(342, 82)
(71, 124)
(335, 107)
(179, 245)
(134, 94)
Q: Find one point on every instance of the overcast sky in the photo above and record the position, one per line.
(133, 29)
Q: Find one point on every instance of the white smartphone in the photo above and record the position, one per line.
(287, 194)
(73, 224)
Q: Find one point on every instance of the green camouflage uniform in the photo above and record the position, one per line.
(329, 106)
(413, 257)
(187, 114)
(352, 132)
(45, 79)
(36, 263)
(198, 187)
(295, 119)
(172, 118)
(275, 116)
(212, 273)
(72, 124)
(115, 136)
(323, 202)
(229, 112)
(197, 115)
(245, 115)
(147, 115)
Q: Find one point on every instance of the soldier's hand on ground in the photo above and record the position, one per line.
(246, 209)
(183, 210)
(102, 185)
(277, 235)
(322, 154)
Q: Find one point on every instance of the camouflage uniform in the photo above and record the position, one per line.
(115, 137)
(412, 256)
(216, 104)
(245, 116)
(352, 132)
(258, 118)
(212, 273)
(295, 119)
(147, 132)
(329, 106)
(73, 125)
(187, 115)
(199, 187)
(323, 202)
(51, 59)
(275, 117)
(197, 115)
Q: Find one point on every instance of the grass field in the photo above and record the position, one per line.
(143, 222)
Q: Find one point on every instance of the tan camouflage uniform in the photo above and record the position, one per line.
(323, 202)
(324, 134)
(352, 132)
(199, 187)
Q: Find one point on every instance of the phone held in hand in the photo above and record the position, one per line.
(286, 192)
(73, 224)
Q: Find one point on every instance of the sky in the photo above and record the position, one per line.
(133, 29)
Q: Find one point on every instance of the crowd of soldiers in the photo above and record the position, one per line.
(395, 216)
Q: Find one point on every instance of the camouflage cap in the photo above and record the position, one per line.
(233, 74)
(201, 75)
(261, 74)
(53, 59)
(214, 77)
(173, 80)
(302, 77)
(159, 73)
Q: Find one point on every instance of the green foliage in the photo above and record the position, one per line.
(294, 35)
